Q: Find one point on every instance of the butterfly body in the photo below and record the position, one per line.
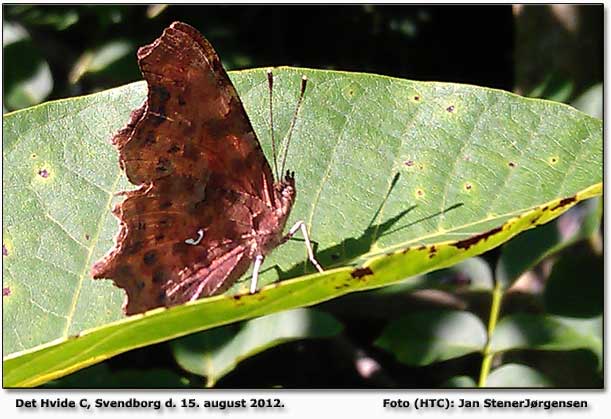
(207, 203)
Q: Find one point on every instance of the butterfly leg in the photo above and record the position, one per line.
(300, 225)
(255, 273)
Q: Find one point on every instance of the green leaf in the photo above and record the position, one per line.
(546, 332)
(395, 178)
(431, 336)
(516, 375)
(216, 352)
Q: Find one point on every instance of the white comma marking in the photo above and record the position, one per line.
(194, 242)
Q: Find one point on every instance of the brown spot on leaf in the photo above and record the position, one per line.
(87, 237)
(6, 291)
(563, 203)
(432, 251)
(512, 164)
(467, 243)
(450, 108)
(4, 250)
(43, 173)
(361, 272)
(416, 98)
(408, 163)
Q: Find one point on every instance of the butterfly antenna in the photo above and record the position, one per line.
(304, 81)
(270, 83)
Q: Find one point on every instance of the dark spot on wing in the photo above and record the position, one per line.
(173, 149)
(150, 257)
(159, 277)
(140, 284)
(165, 204)
(124, 270)
(361, 272)
(134, 247)
(163, 165)
(159, 96)
(149, 139)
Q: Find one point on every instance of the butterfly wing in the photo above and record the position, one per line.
(200, 168)
(193, 122)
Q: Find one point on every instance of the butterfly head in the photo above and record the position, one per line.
(285, 191)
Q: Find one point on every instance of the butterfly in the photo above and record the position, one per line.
(207, 204)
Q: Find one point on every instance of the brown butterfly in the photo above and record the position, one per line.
(207, 204)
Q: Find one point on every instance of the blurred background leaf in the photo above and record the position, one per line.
(216, 352)
(29, 82)
(516, 375)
